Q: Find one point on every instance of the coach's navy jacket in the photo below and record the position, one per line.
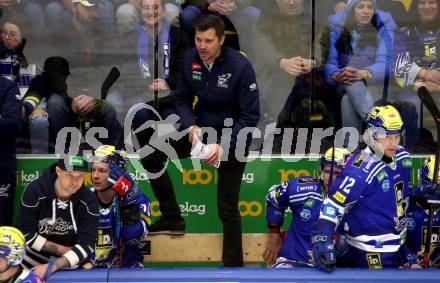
(229, 90)
(10, 122)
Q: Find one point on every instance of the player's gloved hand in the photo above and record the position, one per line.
(406, 258)
(121, 180)
(132, 234)
(341, 244)
(426, 190)
(323, 250)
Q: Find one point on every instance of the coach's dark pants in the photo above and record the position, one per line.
(228, 190)
(7, 191)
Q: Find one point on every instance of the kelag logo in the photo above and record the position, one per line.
(139, 176)
(251, 208)
(194, 177)
(27, 177)
(186, 209)
(290, 174)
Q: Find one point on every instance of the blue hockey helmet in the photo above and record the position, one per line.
(108, 154)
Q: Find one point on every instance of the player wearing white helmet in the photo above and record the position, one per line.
(12, 250)
(304, 196)
(371, 196)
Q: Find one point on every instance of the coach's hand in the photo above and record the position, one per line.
(214, 153)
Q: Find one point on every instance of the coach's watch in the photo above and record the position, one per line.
(369, 75)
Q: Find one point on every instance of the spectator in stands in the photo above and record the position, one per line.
(10, 122)
(233, 79)
(58, 216)
(124, 212)
(90, 46)
(49, 18)
(137, 83)
(13, 63)
(280, 60)
(129, 14)
(416, 46)
(239, 17)
(62, 111)
(398, 9)
(416, 60)
(361, 38)
(13, 249)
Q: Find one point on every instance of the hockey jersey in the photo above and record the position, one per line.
(417, 223)
(304, 197)
(107, 254)
(26, 276)
(415, 49)
(372, 197)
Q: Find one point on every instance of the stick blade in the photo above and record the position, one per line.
(429, 103)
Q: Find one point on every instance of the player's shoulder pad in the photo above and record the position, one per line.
(403, 157)
(304, 184)
(362, 162)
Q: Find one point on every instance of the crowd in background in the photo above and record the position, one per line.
(356, 54)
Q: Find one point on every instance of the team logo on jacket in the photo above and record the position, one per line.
(58, 227)
(223, 80)
(253, 87)
(196, 75)
(195, 66)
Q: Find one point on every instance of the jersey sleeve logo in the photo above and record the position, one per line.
(339, 197)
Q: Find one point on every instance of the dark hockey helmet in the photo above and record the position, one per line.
(108, 154)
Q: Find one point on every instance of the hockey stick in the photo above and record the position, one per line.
(112, 76)
(156, 70)
(429, 103)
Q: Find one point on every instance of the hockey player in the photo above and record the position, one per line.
(58, 216)
(304, 196)
(372, 196)
(417, 216)
(12, 250)
(124, 211)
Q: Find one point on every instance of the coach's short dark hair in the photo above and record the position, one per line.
(206, 22)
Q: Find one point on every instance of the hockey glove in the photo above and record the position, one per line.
(130, 213)
(341, 245)
(426, 190)
(132, 234)
(323, 249)
(121, 180)
(406, 258)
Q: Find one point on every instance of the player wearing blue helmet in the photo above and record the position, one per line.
(124, 211)
(369, 199)
(304, 196)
